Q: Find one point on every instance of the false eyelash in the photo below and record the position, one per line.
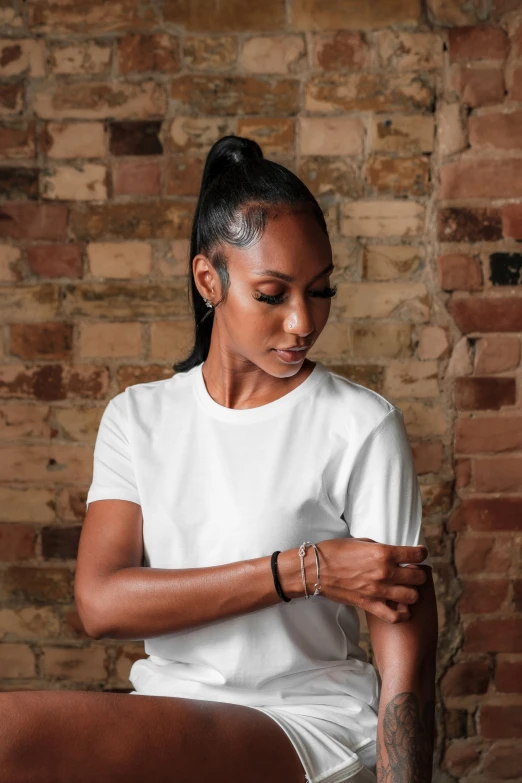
(324, 294)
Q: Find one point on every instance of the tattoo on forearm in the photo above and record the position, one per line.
(407, 741)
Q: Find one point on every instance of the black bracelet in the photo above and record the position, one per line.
(277, 584)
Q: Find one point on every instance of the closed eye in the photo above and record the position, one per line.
(325, 293)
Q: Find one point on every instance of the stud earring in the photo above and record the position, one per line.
(207, 301)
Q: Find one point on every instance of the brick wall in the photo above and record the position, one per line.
(405, 119)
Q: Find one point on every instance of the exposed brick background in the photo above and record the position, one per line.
(405, 119)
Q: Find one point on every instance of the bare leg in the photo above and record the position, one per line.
(92, 737)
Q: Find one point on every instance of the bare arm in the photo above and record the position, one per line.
(405, 655)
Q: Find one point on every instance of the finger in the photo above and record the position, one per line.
(409, 554)
(403, 595)
(408, 576)
(384, 612)
(404, 611)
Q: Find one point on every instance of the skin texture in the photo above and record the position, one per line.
(56, 737)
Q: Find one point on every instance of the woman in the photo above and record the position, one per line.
(267, 498)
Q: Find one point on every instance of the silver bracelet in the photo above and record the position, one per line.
(302, 552)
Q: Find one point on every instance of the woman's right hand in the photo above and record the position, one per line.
(364, 573)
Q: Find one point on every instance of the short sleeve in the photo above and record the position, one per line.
(113, 473)
(383, 500)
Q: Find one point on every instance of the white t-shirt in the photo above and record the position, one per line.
(329, 459)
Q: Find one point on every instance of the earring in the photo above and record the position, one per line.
(207, 301)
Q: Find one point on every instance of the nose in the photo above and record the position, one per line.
(300, 321)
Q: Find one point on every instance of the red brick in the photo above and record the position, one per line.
(499, 635)
(340, 49)
(502, 474)
(488, 434)
(496, 353)
(499, 130)
(460, 757)
(461, 272)
(11, 97)
(512, 220)
(54, 381)
(474, 314)
(465, 679)
(473, 394)
(517, 594)
(466, 224)
(60, 542)
(516, 88)
(231, 95)
(183, 175)
(99, 16)
(479, 86)
(17, 542)
(501, 722)
(481, 178)
(33, 221)
(55, 260)
(503, 762)
(141, 177)
(158, 219)
(462, 469)
(148, 53)
(427, 456)
(36, 584)
(233, 16)
(41, 340)
(477, 43)
(17, 140)
(484, 514)
(508, 676)
(481, 596)
(483, 554)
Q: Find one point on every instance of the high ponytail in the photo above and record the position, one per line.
(239, 191)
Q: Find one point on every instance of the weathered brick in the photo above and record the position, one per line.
(80, 57)
(433, 343)
(481, 596)
(158, 52)
(466, 224)
(136, 178)
(368, 375)
(170, 339)
(159, 219)
(480, 178)
(411, 378)
(460, 758)
(135, 138)
(210, 52)
(382, 218)
(496, 130)
(19, 182)
(110, 340)
(501, 474)
(331, 175)
(36, 584)
(183, 175)
(488, 434)
(340, 49)
(399, 176)
(515, 92)
(125, 300)
(384, 300)
(496, 353)
(17, 660)
(54, 381)
(55, 260)
(465, 679)
(452, 135)
(29, 302)
(512, 220)
(10, 263)
(62, 16)
(33, 221)
(283, 54)
(448, 13)
(22, 56)
(331, 136)
(78, 423)
(25, 421)
(351, 14)
(17, 139)
(368, 92)
(402, 133)
(96, 100)
(474, 314)
(478, 86)
(63, 140)
(60, 542)
(17, 542)
(483, 554)
(424, 419)
(119, 259)
(409, 51)
(459, 272)
(427, 456)
(276, 135)
(29, 623)
(11, 98)
(230, 95)
(497, 635)
(473, 394)
(436, 498)
(477, 43)
(83, 182)
(41, 340)
(40, 463)
(233, 16)
(36, 505)
(389, 339)
(390, 262)
(73, 663)
(508, 676)
(487, 514)
(129, 374)
(501, 721)
(503, 762)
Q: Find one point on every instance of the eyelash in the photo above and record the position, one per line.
(324, 294)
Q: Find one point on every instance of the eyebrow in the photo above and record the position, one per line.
(289, 278)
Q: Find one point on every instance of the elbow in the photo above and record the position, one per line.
(90, 616)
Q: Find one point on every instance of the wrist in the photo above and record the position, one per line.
(289, 572)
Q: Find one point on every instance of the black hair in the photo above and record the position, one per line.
(240, 190)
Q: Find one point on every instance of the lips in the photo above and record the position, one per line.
(292, 357)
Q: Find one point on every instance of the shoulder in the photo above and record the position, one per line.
(359, 409)
(150, 396)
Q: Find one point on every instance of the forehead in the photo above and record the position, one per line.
(291, 242)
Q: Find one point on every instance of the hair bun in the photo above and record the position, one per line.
(226, 152)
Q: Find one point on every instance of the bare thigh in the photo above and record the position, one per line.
(92, 737)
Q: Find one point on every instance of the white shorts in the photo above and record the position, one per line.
(320, 738)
